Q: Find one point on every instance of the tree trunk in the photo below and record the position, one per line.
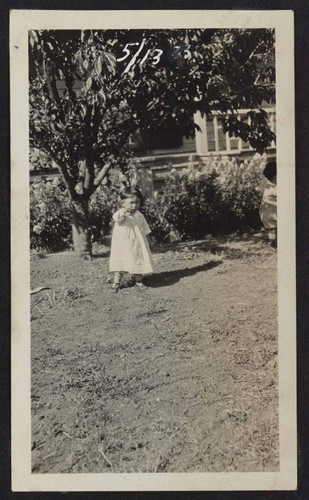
(80, 228)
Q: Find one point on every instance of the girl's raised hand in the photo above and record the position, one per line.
(122, 212)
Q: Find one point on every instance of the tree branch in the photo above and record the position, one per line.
(89, 174)
(66, 177)
(88, 150)
(246, 89)
(56, 95)
(251, 55)
(101, 175)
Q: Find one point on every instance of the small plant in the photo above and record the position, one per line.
(50, 217)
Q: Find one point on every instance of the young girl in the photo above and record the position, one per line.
(268, 208)
(130, 249)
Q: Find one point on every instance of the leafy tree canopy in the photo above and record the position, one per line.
(84, 104)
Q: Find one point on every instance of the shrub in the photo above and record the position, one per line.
(221, 195)
(241, 191)
(192, 201)
(101, 208)
(50, 216)
(153, 211)
(51, 219)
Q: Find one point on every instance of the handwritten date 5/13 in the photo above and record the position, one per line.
(137, 54)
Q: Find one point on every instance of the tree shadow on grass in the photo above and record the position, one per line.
(168, 278)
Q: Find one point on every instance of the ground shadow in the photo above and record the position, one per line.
(168, 278)
(200, 247)
(101, 255)
(219, 244)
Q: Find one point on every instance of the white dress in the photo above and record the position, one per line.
(130, 251)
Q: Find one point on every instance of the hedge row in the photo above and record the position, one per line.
(219, 197)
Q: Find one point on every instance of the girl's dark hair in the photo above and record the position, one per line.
(130, 192)
(270, 170)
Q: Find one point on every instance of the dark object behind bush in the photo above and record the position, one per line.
(270, 170)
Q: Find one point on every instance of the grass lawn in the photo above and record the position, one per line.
(180, 377)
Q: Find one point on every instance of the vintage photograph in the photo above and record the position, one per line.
(152, 194)
(153, 250)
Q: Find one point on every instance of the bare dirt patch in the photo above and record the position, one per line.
(180, 377)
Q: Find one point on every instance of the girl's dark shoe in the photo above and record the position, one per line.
(131, 282)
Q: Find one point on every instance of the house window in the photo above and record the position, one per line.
(220, 142)
(221, 137)
(165, 138)
(216, 138)
(234, 143)
(210, 134)
(272, 123)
